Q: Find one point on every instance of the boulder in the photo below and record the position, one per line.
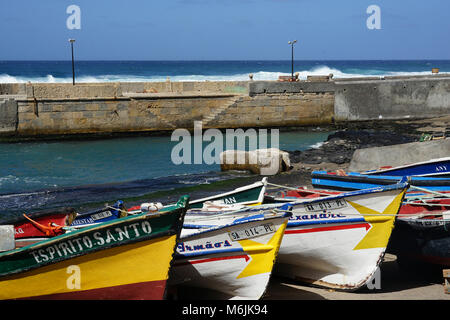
(260, 161)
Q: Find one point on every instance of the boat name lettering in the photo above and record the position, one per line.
(441, 168)
(82, 221)
(230, 200)
(101, 215)
(182, 247)
(97, 239)
(18, 231)
(317, 216)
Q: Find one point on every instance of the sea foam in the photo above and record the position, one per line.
(257, 75)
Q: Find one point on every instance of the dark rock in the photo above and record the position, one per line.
(341, 145)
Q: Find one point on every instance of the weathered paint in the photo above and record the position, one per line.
(343, 248)
(134, 251)
(238, 269)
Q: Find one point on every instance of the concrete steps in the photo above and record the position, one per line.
(210, 117)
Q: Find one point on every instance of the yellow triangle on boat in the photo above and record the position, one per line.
(381, 223)
(262, 255)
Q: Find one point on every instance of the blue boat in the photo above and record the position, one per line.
(358, 181)
(432, 168)
(107, 213)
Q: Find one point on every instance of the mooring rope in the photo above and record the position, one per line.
(430, 191)
(297, 189)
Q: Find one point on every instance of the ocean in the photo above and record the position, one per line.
(49, 174)
(107, 71)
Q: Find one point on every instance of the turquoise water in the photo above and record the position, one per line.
(40, 174)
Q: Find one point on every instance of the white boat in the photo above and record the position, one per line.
(336, 241)
(233, 260)
(339, 241)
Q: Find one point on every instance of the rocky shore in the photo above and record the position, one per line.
(337, 151)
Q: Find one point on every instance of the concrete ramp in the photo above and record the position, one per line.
(398, 155)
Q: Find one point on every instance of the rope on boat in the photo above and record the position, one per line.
(276, 210)
(430, 191)
(423, 200)
(421, 215)
(427, 204)
(297, 189)
(120, 210)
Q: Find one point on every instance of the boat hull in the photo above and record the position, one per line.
(251, 194)
(26, 232)
(432, 168)
(133, 278)
(422, 240)
(355, 181)
(230, 268)
(339, 248)
(112, 260)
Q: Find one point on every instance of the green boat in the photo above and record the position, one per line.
(123, 259)
(251, 194)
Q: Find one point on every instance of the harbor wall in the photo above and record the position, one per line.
(392, 98)
(54, 109)
(34, 109)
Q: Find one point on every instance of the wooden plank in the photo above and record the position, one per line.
(446, 273)
(319, 78)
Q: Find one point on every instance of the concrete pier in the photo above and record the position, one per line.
(35, 109)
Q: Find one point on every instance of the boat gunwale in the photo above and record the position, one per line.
(254, 185)
(410, 165)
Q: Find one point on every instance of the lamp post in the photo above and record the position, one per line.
(73, 65)
(292, 58)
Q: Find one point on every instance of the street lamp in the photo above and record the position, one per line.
(292, 58)
(73, 66)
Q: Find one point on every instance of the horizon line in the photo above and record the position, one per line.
(215, 60)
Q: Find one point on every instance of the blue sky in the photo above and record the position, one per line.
(224, 30)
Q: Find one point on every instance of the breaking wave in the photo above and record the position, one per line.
(257, 75)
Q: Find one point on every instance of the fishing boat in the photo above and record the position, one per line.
(423, 239)
(432, 168)
(252, 194)
(38, 226)
(334, 241)
(246, 195)
(231, 260)
(107, 213)
(424, 202)
(422, 228)
(339, 241)
(358, 181)
(422, 232)
(125, 258)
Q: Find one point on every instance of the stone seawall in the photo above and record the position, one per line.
(55, 109)
(392, 98)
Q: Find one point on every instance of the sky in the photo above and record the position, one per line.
(225, 30)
